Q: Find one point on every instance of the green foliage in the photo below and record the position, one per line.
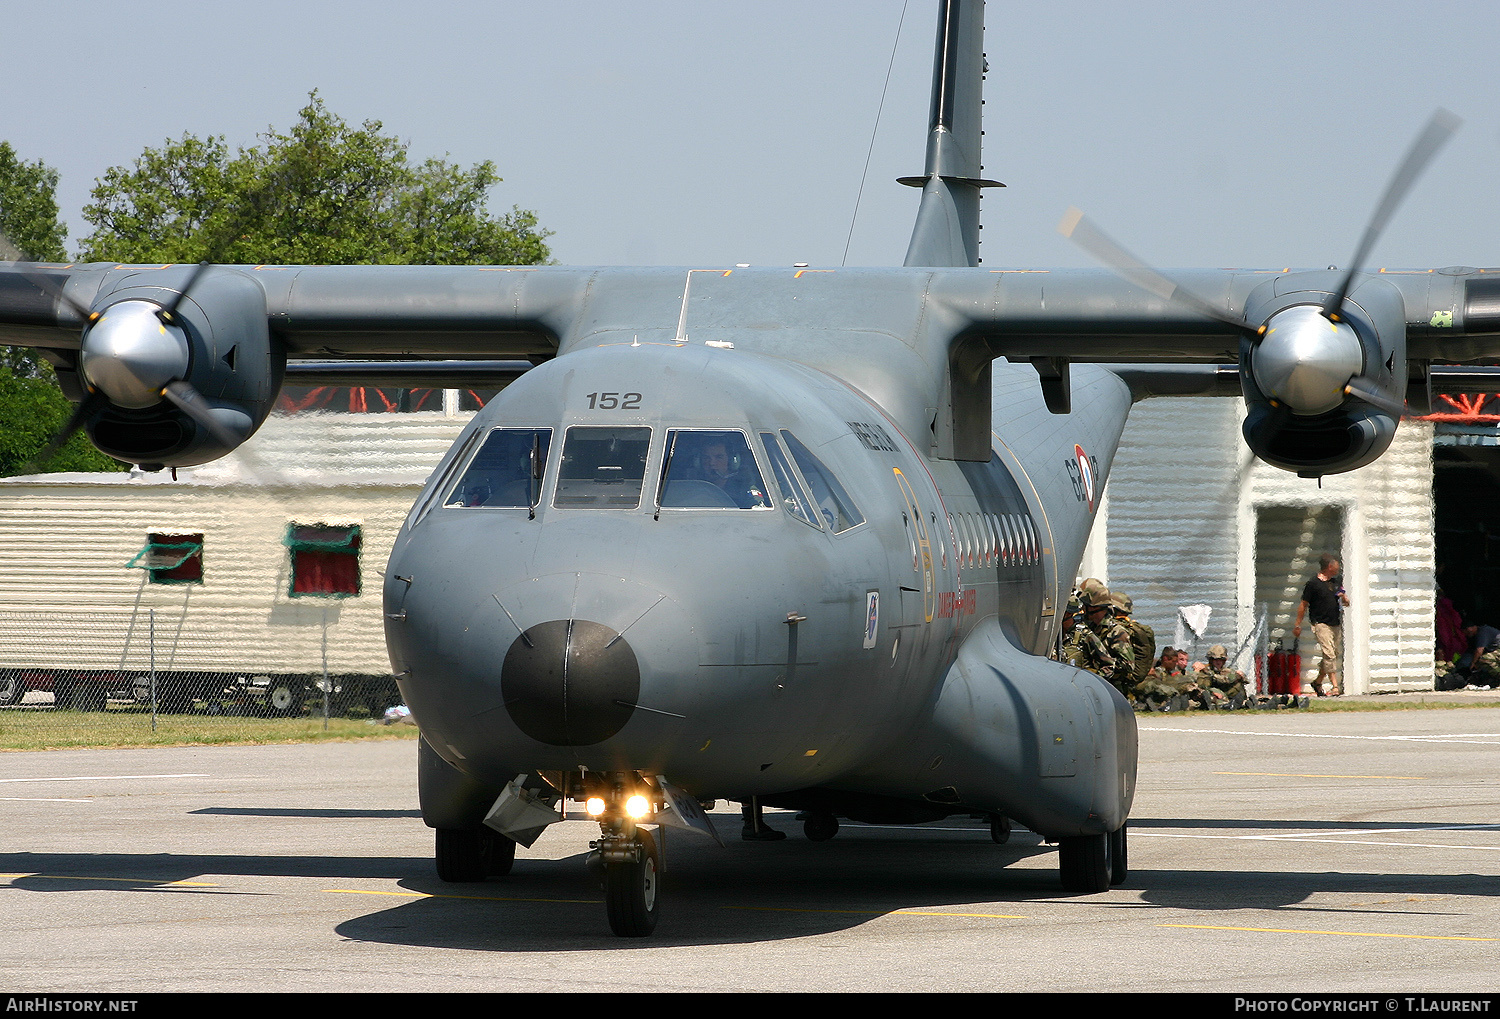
(28, 208)
(324, 193)
(31, 232)
(32, 411)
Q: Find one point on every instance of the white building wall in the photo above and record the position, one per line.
(1183, 502)
(1172, 512)
(65, 540)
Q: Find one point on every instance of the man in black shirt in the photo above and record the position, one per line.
(1324, 594)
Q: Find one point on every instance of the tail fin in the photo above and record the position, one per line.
(947, 228)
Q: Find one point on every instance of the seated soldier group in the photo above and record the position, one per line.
(1099, 635)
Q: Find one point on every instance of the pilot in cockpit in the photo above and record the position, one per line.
(715, 462)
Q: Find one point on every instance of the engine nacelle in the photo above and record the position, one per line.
(216, 340)
(1297, 375)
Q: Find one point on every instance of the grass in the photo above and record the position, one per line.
(46, 729)
(1343, 704)
(42, 728)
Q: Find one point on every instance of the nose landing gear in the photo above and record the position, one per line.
(631, 861)
(632, 871)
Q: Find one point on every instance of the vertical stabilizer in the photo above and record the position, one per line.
(947, 229)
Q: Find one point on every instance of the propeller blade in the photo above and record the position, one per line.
(1364, 388)
(1081, 231)
(1437, 132)
(167, 314)
(87, 408)
(192, 403)
(10, 253)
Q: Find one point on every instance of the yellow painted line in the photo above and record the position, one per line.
(125, 880)
(1294, 774)
(1342, 934)
(798, 274)
(484, 898)
(876, 912)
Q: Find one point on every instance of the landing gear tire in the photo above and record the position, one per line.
(1119, 859)
(631, 891)
(502, 855)
(11, 689)
(470, 856)
(999, 830)
(1084, 863)
(820, 827)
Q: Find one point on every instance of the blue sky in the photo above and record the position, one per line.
(710, 133)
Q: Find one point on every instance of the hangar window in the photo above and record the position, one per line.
(507, 472)
(324, 559)
(171, 558)
(602, 468)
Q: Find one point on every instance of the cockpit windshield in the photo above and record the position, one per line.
(507, 470)
(602, 468)
(710, 470)
(838, 510)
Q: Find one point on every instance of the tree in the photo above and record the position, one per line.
(323, 193)
(28, 208)
(30, 233)
(32, 411)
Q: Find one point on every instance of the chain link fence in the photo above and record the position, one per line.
(98, 670)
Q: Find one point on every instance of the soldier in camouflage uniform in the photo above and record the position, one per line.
(1161, 683)
(1099, 618)
(1142, 637)
(1081, 648)
(1166, 687)
(1486, 668)
(1222, 684)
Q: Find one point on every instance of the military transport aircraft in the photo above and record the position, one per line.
(794, 536)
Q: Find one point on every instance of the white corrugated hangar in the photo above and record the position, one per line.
(268, 562)
(1192, 518)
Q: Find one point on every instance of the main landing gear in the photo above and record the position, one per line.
(1091, 863)
(467, 856)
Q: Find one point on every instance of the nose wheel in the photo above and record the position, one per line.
(631, 886)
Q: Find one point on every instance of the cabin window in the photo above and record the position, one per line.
(794, 498)
(325, 560)
(705, 469)
(829, 497)
(170, 558)
(602, 468)
(507, 472)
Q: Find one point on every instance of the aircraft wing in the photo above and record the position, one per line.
(361, 310)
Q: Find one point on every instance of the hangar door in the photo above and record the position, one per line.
(1466, 508)
(1288, 542)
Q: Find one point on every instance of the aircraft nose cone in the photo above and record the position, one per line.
(570, 682)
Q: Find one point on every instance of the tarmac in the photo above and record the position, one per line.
(1271, 852)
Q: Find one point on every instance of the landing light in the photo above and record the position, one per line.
(638, 806)
(595, 806)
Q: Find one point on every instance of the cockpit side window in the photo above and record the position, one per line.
(710, 470)
(838, 510)
(506, 472)
(793, 498)
(602, 468)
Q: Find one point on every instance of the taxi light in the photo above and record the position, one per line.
(637, 806)
(595, 806)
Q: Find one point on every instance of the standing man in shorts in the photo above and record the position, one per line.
(1324, 595)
